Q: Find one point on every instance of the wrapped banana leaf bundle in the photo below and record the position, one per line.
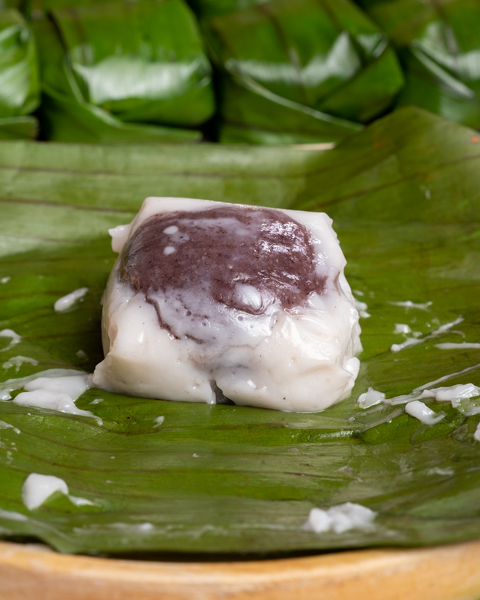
(439, 47)
(123, 71)
(300, 71)
(19, 81)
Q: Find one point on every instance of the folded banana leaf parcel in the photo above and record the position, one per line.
(123, 71)
(19, 78)
(144, 475)
(294, 71)
(438, 43)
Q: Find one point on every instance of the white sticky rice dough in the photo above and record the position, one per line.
(176, 333)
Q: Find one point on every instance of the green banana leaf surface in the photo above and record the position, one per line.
(405, 198)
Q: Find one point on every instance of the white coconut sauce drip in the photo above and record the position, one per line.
(37, 488)
(54, 389)
(420, 411)
(18, 361)
(11, 385)
(56, 393)
(4, 425)
(416, 340)
(14, 337)
(70, 299)
(476, 435)
(370, 398)
(453, 392)
(409, 304)
(458, 346)
(340, 518)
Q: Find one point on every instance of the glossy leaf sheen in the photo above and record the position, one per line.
(19, 81)
(307, 69)
(405, 198)
(438, 44)
(69, 114)
(141, 61)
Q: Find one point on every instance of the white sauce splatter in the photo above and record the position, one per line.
(168, 250)
(476, 435)
(55, 393)
(409, 304)
(340, 518)
(406, 344)
(51, 400)
(460, 346)
(442, 472)
(69, 300)
(37, 488)
(132, 528)
(15, 338)
(80, 501)
(18, 361)
(4, 425)
(402, 328)
(159, 420)
(447, 377)
(362, 309)
(15, 384)
(5, 279)
(420, 411)
(73, 385)
(414, 341)
(458, 395)
(454, 392)
(370, 398)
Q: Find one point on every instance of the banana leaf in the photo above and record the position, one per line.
(19, 81)
(142, 61)
(405, 198)
(438, 44)
(17, 128)
(211, 8)
(66, 117)
(312, 71)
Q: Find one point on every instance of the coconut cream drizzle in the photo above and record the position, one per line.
(14, 337)
(66, 302)
(414, 341)
(340, 518)
(54, 389)
(38, 488)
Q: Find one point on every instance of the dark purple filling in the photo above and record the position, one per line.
(217, 249)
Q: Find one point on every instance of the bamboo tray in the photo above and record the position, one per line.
(31, 572)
